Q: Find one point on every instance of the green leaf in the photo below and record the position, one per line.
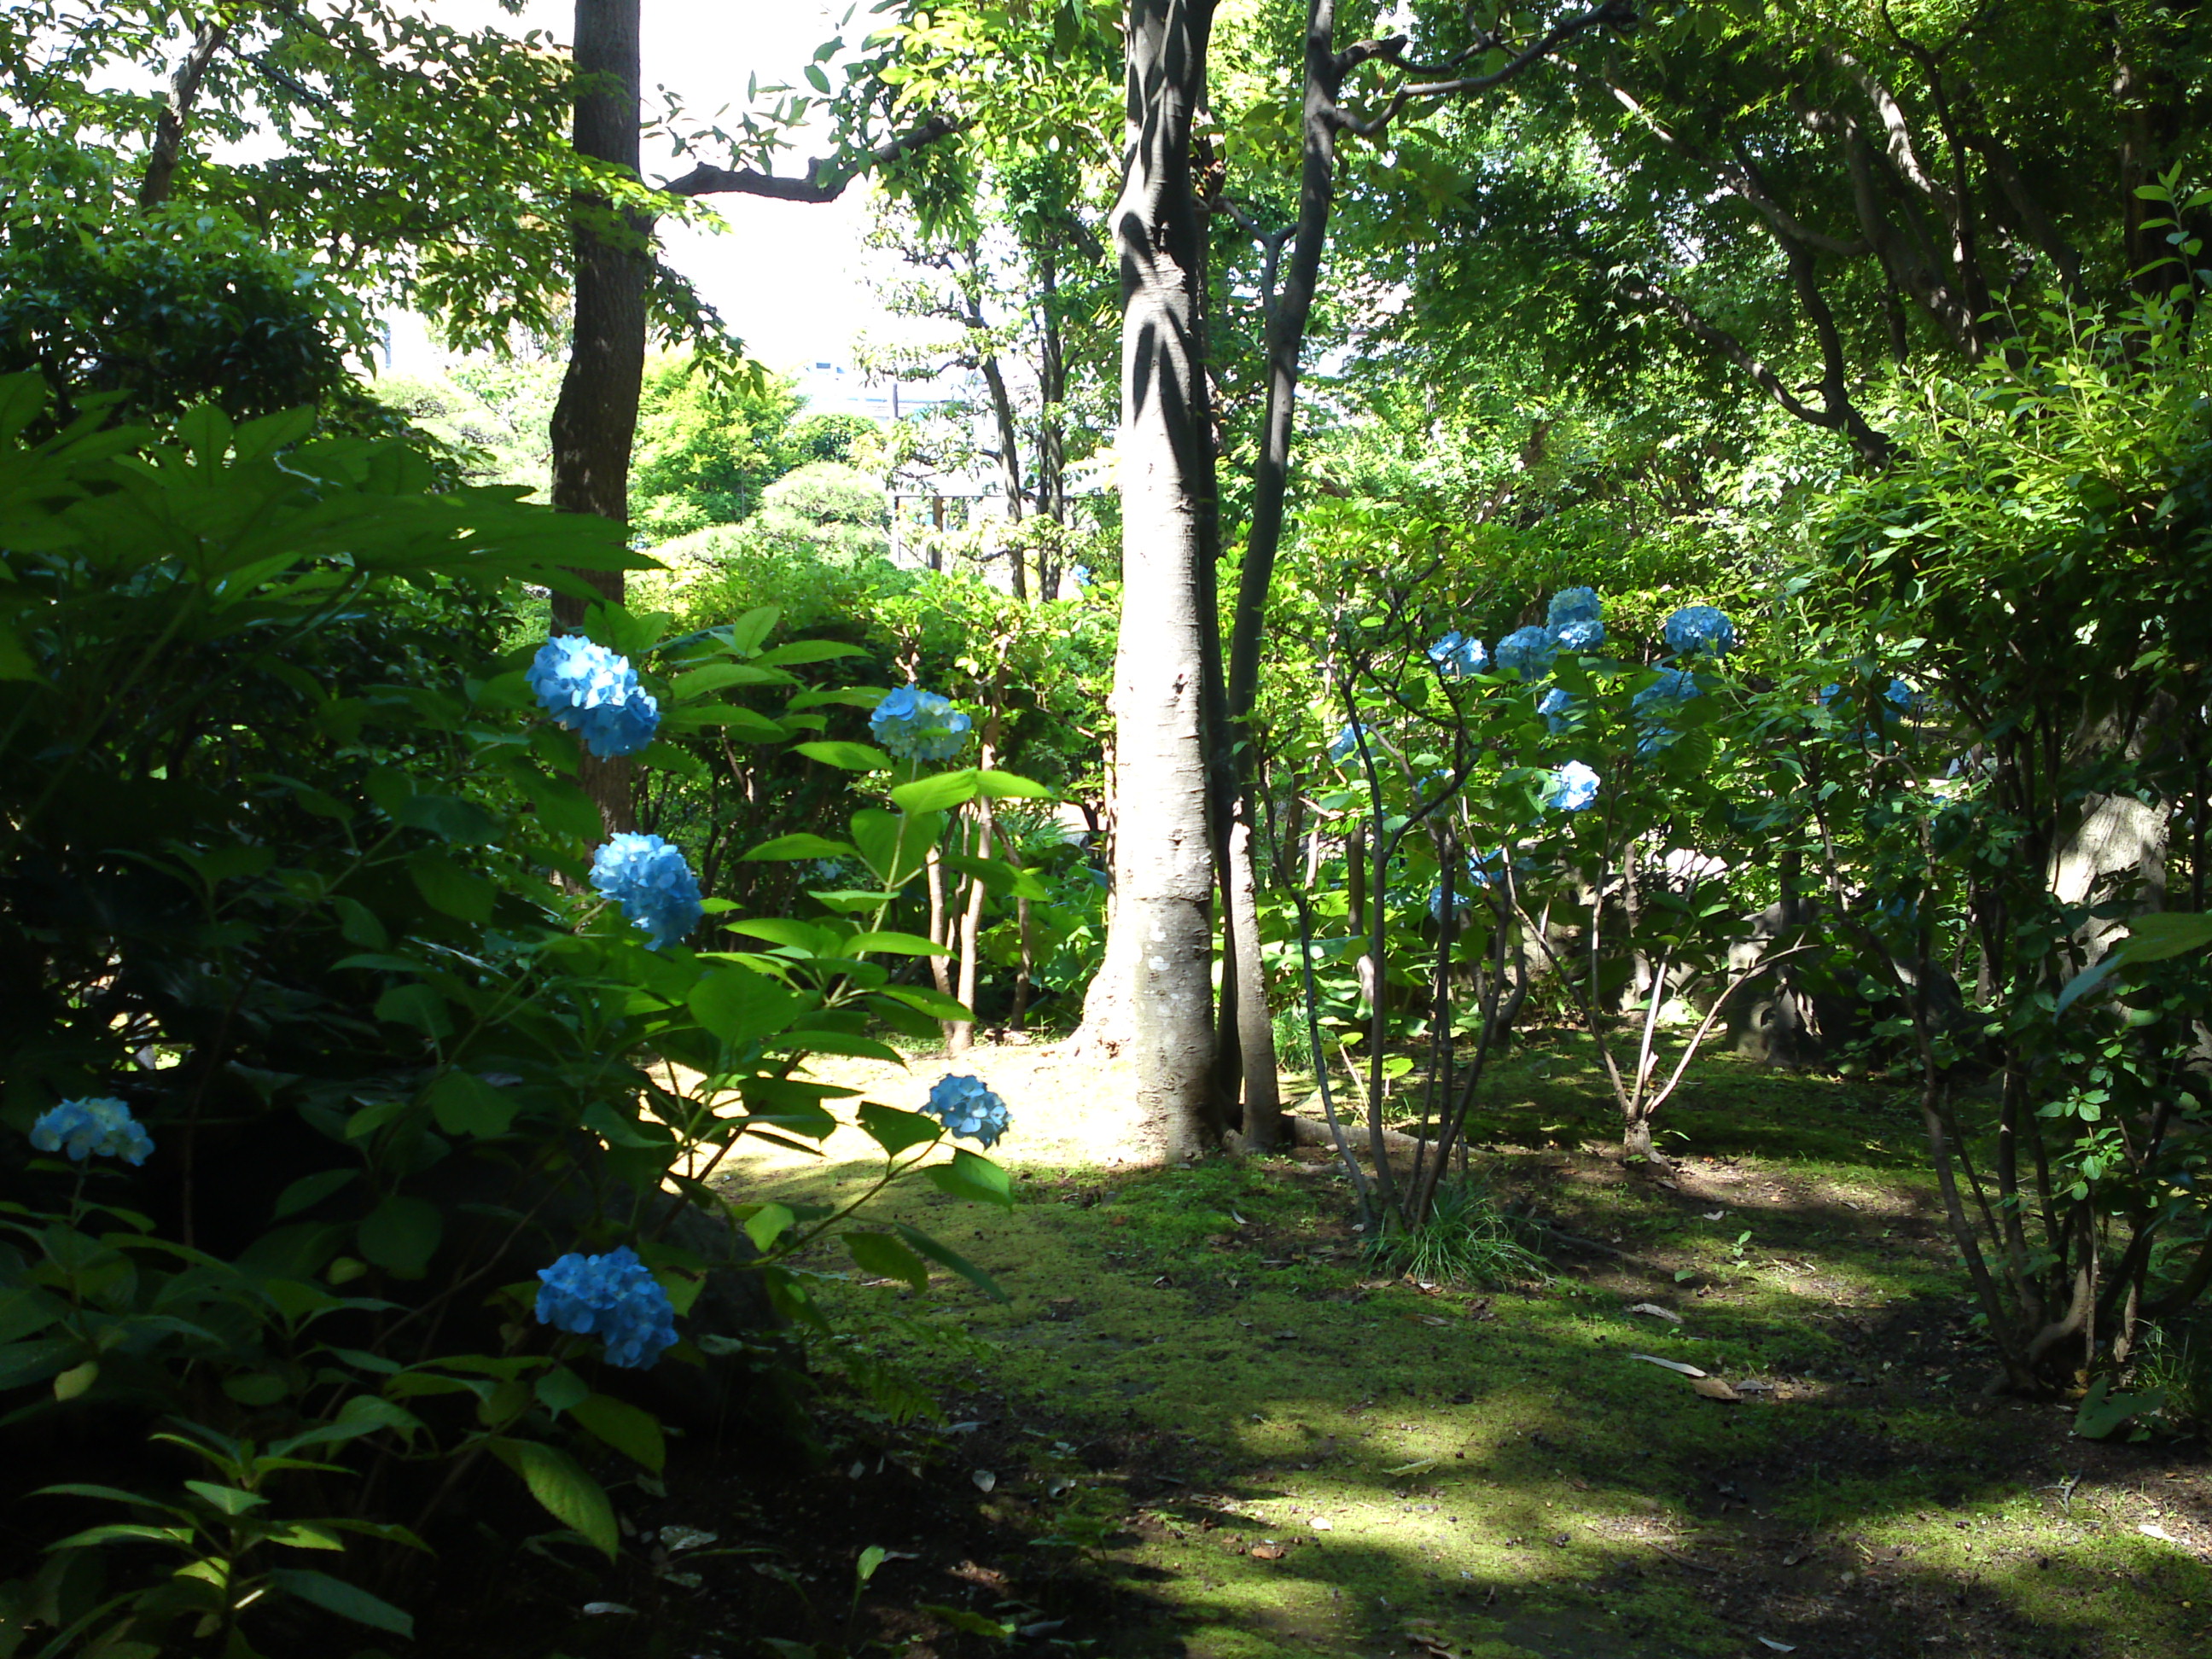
(309, 1191)
(1001, 786)
(896, 1130)
(633, 1433)
(346, 1600)
(935, 1004)
(767, 1224)
(465, 1104)
(799, 651)
(2103, 1412)
(935, 795)
(896, 845)
(749, 632)
(560, 1390)
(417, 1006)
(444, 886)
(2156, 938)
(401, 1234)
(885, 1257)
(569, 1495)
(230, 1500)
(804, 846)
(976, 1179)
(740, 1006)
(852, 757)
(898, 945)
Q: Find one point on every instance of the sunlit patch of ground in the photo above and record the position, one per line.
(1201, 1390)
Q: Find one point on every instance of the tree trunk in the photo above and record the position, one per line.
(177, 113)
(1009, 465)
(1166, 481)
(960, 1035)
(595, 421)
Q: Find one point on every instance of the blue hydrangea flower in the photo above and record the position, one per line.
(594, 693)
(1457, 655)
(1483, 869)
(1080, 576)
(97, 1127)
(1584, 635)
(1673, 688)
(1701, 628)
(920, 725)
(1557, 707)
(968, 1109)
(614, 1298)
(1574, 604)
(1527, 652)
(1346, 744)
(649, 879)
(1574, 786)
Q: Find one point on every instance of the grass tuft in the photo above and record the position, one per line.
(1467, 1239)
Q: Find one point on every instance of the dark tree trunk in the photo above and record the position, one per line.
(1167, 495)
(177, 113)
(595, 422)
(1010, 464)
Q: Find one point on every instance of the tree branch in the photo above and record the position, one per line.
(1613, 13)
(825, 180)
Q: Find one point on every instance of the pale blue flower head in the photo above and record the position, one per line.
(613, 1296)
(649, 879)
(1457, 655)
(1572, 619)
(1701, 629)
(1586, 634)
(1483, 869)
(1346, 744)
(968, 1109)
(1574, 604)
(1673, 688)
(919, 725)
(594, 693)
(97, 1127)
(1527, 652)
(1557, 709)
(1574, 786)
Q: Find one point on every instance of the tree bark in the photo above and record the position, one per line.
(1009, 463)
(177, 113)
(1167, 490)
(595, 421)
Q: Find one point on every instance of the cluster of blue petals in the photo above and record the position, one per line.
(1700, 629)
(1557, 707)
(1347, 741)
(1572, 619)
(614, 1298)
(919, 725)
(1527, 652)
(1574, 786)
(649, 879)
(1457, 655)
(97, 1127)
(967, 1111)
(593, 692)
(1483, 869)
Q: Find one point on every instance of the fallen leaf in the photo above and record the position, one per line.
(984, 1479)
(2159, 1533)
(1671, 1364)
(685, 1538)
(1657, 1311)
(1713, 1388)
(1268, 1552)
(1321, 1523)
(1714, 1215)
(1431, 1319)
(1418, 1466)
(1778, 1647)
(596, 1607)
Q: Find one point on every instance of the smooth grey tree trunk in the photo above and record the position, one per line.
(1163, 912)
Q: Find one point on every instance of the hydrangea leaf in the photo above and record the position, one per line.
(946, 1257)
(631, 1431)
(896, 1130)
(401, 1234)
(569, 1495)
(465, 1104)
(803, 846)
(975, 1179)
(850, 756)
(447, 888)
(885, 1257)
(740, 1007)
(1005, 786)
(935, 795)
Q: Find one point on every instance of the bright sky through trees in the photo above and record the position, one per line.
(787, 275)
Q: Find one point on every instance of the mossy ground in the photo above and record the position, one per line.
(1204, 1423)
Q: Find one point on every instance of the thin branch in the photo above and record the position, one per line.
(826, 176)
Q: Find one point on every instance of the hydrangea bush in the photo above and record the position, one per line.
(915, 725)
(390, 817)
